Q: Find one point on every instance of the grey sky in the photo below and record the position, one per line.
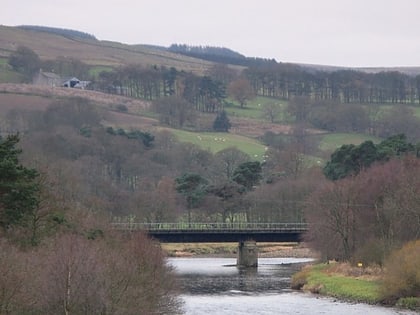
(330, 32)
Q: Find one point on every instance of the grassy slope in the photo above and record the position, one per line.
(104, 53)
(212, 141)
(216, 141)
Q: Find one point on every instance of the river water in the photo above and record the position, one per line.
(216, 286)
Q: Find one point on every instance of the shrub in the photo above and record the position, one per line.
(402, 273)
(299, 279)
(412, 303)
(122, 108)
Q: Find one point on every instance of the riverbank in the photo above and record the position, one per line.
(266, 250)
(345, 282)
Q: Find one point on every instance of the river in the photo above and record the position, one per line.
(216, 286)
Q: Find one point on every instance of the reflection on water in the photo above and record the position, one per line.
(217, 286)
(220, 275)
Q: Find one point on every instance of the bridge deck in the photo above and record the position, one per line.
(218, 232)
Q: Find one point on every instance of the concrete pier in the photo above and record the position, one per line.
(247, 254)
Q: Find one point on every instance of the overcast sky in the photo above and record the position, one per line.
(330, 32)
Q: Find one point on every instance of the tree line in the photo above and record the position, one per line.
(208, 91)
(219, 55)
(277, 80)
(58, 31)
(286, 81)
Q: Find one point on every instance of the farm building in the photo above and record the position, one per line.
(54, 80)
(75, 83)
(47, 79)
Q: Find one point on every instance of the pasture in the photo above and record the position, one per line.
(217, 141)
(255, 108)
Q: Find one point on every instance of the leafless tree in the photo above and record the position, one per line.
(241, 91)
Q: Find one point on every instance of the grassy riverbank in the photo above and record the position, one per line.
(346, 283)
(360, 286)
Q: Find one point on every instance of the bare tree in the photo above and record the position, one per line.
(13, 279)
(300, 107)
(174, 111)
(119, 276)
(225, 162)
(222, 73)
(241, 91)
(271, 111)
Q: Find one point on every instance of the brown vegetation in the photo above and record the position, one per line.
(70, 274)
(364, 217)
(111, 101)
(402, 273)
(93, 52)
(266, 250)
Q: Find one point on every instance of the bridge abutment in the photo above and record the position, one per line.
(247, 254)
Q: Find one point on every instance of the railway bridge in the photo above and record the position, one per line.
(246, 234)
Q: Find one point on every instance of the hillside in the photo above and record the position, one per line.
(106, 53)
(31, 97)
(94, 52)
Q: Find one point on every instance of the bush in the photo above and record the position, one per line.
(122, 108)
(299, 279)
(402, 273)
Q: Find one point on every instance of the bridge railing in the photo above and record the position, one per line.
(235, 226)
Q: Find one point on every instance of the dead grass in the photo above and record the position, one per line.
(23, 102)
(254, 128)
(111, 101)
(371, 273)
(106, 53)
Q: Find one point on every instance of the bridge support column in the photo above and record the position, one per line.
(247, 254)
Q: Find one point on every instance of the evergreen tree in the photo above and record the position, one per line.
(18, 186)
(222, 123)
(248, 174)
(350, 159)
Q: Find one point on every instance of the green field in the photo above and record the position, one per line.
(94, 71)
(332, 141)
(217, 141)
(254, 108)
(7, 75)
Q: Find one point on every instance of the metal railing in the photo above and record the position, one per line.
(235, 226)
